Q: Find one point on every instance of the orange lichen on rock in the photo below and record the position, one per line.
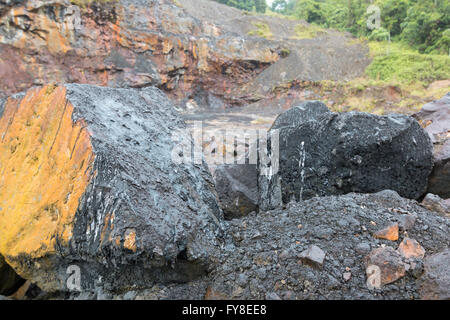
(45, 167)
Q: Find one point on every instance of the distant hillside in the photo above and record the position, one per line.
(192, 49)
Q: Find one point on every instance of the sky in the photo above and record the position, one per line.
(269, 2)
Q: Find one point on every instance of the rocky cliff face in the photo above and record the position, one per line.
(200, 52)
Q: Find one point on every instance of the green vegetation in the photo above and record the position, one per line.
(84, 3)
(422, 24)
(397, 62)
(308, 31)
(248, 5)
(410, 50)
(412, 44)
(263, 30)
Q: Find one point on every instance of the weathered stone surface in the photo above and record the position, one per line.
(267, 266)
(188, 52)
(335, 224)
(435, 118)
(406, 222)
(9, 280)
(388, 233)
(237, 189)
(347, 276)
(435, 283)
(272, 296)
(389, 262)
(349, 152)
(410, 248)
(299, 114)
(434, 203)
(313, 256)
(88, 180)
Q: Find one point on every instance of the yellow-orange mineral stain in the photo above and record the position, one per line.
(130, 240)
(45, 167)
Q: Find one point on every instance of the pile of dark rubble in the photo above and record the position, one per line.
(321, 249)
(339, 219)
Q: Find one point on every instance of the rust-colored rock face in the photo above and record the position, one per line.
(45, 164)
(208, 59)
(87, 182)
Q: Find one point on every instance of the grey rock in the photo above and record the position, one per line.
(272, 296)
(297, 115)
(362, 153)
(237, 189)
(437, 114)
(435, 283)
(130, 295)
(101, 295)
(416, 268)
(406, 222)
(435, 117)
(434, 203)
(85, 295)
(363, 248)
(242, 279)
(261, 273)
(313, 256)
(2, 105)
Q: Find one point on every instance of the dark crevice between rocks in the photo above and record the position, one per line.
(10, 281)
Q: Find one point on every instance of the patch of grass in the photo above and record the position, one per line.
(364, 104)
(177, 3)
(397, 62)
(85, 3)
(263, 30)
(285, 52)
(270, 13)
(308, 31)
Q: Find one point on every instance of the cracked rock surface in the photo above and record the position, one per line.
(263, 256)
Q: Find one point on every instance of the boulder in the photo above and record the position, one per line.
(237, 189)
(434, 203)
(435, 118)
(9, 280)
(90, 188)
(297, 115)
(435, 283)
(336, 154)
